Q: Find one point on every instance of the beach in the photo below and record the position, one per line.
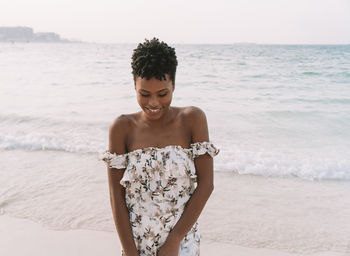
(278, 113)
(22, 237)
(246, 213)
(25, 237)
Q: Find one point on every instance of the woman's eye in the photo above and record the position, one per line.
(162, 95)
(144, 95)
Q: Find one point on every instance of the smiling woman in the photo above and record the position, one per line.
(160, 165)
(154, 96)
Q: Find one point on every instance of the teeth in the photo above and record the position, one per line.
(154, 110)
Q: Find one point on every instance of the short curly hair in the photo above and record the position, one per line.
(154, 59)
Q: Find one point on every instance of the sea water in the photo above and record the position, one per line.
(275, 111)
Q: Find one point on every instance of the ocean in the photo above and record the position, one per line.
(280, 115)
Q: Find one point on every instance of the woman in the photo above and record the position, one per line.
(160, 165)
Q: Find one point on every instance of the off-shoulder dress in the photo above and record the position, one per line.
(158, 183)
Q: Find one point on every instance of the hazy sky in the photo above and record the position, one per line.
(190, 21)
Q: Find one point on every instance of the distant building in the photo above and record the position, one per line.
(18, 34)
(26, 34)
(47, 37)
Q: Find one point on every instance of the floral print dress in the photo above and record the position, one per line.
(158, 183)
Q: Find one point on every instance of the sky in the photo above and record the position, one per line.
(185, 21)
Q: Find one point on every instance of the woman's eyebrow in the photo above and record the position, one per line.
(157, 91)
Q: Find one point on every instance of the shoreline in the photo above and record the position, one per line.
(57, 190)
(25, 237)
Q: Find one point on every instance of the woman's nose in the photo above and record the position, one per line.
(153, 102)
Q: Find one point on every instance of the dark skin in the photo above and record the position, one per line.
(165, 125)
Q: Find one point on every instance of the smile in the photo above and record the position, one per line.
(154, 111)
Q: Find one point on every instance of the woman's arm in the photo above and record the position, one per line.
(205, 186)
(117, 191)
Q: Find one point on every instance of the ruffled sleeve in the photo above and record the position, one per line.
(113, 160)
(200, 148)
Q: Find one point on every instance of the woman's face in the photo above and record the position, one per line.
(154, 96)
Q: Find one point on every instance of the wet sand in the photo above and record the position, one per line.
(23, 237)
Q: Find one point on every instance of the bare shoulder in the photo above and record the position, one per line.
(197, 121)
(120, 123)
(118, 134)
(194, 114)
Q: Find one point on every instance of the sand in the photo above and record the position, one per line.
(23, 237)
(246, 214)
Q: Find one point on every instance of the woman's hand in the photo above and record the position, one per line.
(170, 248)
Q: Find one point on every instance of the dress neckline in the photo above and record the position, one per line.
(159, 148)
(148, 149)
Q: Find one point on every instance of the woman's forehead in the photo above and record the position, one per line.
(153, 84)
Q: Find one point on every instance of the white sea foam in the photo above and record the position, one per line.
(233, 159)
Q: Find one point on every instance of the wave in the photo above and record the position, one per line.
(18, 118)
(21, 132)
(42, 143)
(310, 73)
(240, 162)
(48, 121)
(323, 101)
(273, 164)
(339, 74)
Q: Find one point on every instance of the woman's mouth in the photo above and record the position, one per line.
(153, 111)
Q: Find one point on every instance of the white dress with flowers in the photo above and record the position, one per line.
(158, 183)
